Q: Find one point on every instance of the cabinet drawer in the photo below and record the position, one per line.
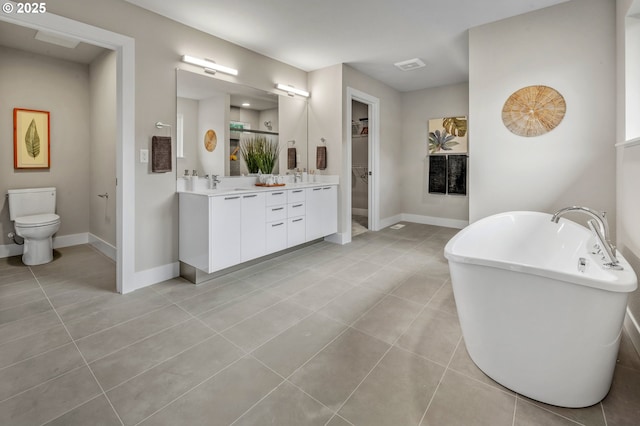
(276, 236)
(276, 197)
(295, 195)
(276, 212)
(295, 209)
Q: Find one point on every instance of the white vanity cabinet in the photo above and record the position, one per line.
(220, 229)
(322, 208)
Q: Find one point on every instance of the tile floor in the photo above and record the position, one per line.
(362, 334)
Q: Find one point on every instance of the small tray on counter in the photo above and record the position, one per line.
(269, 186)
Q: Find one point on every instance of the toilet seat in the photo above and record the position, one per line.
(37, 220)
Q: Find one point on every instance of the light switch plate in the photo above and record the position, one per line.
(144, 155)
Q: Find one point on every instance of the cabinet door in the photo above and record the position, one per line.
(224, 237)
(276, 236)
(314, 213)
(252, 230)
(330, 210)
(296, 231)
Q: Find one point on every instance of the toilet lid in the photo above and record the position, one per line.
(37, 220)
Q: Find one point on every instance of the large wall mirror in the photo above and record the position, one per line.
(216, 116)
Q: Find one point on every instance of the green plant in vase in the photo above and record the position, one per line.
(260, 154)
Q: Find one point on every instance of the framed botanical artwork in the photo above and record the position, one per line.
(448, 135)
(31, 139)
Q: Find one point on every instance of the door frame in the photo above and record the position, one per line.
(125, 130)
(374, 158)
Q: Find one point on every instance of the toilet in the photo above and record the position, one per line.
(33, 213)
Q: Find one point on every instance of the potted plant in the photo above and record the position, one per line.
(260, 154)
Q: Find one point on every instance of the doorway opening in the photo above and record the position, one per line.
(359, 168)
(362, 201)
(125, 129)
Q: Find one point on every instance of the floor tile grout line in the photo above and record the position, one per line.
(36, 355)
(257, 402)
(81, 355)
(42, 383)
(286, 379)
(515, 410)
(34, 333)
(391, 346)
(162, 362)
(140, 340)
(537, 405)
(193, 388)
(24, 303)
(71, 409)
(155, 311)
(604, 414)
(440, 382)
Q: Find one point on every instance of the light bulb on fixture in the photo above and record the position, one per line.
(208, 65)
(292, 90)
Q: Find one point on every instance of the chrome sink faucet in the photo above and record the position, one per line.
(297, 177)
(215, 180)
(600, 228)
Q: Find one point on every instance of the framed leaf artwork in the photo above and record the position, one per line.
(30, 139)
(448, 135)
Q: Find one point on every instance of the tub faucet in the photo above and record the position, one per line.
(600, 228)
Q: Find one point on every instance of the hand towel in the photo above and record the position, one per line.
(160, 154)
(291, 158)
(321, 158)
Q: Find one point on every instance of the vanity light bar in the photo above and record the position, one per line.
(291, 89)
(208, 65)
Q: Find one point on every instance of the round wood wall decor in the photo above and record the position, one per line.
(210, 140)
(533, 110)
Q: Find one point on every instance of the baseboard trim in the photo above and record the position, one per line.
(633, 329)
(103, 247)
(338, 238)
(388, 221)
(155, 275)
(437, 221)
(8, 250)
(359, 212)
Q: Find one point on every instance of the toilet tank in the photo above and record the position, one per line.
(30, 201)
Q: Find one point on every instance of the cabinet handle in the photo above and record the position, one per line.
(276, 209)
(328, 187)
(297, 190)
(249, 196)
(232, 198)
(297, 220)
(317, 189)
(277, 193)
(277, 224)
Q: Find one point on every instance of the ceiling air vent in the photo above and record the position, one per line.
(410, 64)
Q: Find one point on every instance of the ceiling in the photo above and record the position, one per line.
(369, 35)
(23, 38)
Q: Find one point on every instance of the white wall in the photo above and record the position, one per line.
(628, 158)
(102, 140)
(570, 47)
(157, 57)
(38, 82)
(418, 108)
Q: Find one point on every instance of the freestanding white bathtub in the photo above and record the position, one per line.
(531, 320)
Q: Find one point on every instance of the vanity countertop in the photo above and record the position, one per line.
(242, 190)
